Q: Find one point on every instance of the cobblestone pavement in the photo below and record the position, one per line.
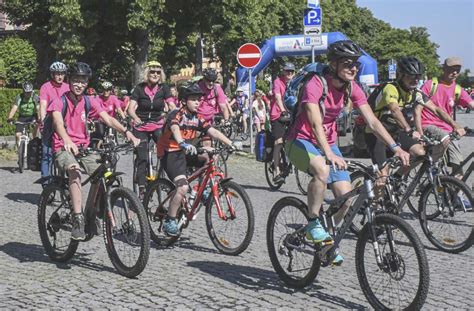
(192, 274)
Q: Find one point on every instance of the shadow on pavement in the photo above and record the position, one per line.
(259, 279)
(32, 198)
(267, 189)
(11, 169)
(185, 243)
(25, 253)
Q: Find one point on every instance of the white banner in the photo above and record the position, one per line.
(296, 44)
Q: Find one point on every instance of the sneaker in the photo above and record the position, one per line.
(462, 203)
(338, 260)
(77, 232)
(278, 179)
(316, 233)
(170, 227)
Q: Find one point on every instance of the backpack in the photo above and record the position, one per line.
(34, 154)
(48, 129)
(293, 93)
(434, 87)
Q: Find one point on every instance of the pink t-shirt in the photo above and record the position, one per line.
(443, 98)
(110, 105)
(279, 87)
(50, 91)
(333, 104)
(75, 120)
(210, 104)
(124, 102)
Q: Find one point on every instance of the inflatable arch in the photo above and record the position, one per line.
(293, 45)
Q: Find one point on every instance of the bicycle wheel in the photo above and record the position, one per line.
(155, 195)
(401, 280)
(231, 236)
(415, 197)
(445, 217)
(126, 237)
(269, 169)
(292, 257)
(134, 174)
(55, 224)
(357, 179)
(302, 180)
(221, 164)
(21, 156)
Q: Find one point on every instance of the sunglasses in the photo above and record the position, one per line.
(349, 64)
(415, 76)
(290, 72)
(77, 82)
(154, 72)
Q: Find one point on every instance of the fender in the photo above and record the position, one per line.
(225, 180)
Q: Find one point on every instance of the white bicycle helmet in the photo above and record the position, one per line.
(106, 85)
(58, 67)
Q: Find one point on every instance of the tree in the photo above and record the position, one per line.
(19, 58)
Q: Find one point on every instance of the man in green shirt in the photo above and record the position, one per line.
(27, 104)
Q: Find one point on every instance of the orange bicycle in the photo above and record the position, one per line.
(228, 211)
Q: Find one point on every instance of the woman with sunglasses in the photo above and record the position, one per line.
(147, 107)
(312, 140)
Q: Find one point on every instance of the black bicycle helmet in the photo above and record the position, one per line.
(344, 48)
(410, 66)
(27, 87)
(188, 90)
(80, 69)
(210, 74)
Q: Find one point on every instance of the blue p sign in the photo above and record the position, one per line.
(312, 17)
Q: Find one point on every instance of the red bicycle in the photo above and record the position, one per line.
(229, 213)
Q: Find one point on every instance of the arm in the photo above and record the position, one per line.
(132, 106)
(219, 136)
(58, 125)
(115, 124)
(398, 115)
(444, 116)
(418, 110)
(279, 102)
(12, 112)
(42, 109)
(379, 130)
(176, 133)
(225, 110)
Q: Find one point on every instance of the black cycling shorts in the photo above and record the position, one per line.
(379, 152)
(175, 163)
(278, 129)
(20, 127)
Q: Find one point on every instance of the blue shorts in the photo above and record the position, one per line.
(301, 151)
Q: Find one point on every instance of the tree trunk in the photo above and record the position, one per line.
(198, 65)
(142, 43)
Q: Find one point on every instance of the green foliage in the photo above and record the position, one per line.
(463, 79)
(19, 59)
(7, 97)
(262, 85)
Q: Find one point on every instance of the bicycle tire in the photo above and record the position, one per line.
(430, 220)
(283, 271)
(156, 223)
(222, 243)
(52, 225)
(134, 174)
(21, 156)
(394, 263)
(269, 171)
(127, 232)
(302, 182)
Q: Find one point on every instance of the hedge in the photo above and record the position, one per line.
(7, 96)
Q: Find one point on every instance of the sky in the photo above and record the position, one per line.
(450, 23)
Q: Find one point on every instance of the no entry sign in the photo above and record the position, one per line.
(249, 55)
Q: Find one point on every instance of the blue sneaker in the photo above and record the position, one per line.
(170, 227)
(316, 233)
(462, 203)
(338, 260)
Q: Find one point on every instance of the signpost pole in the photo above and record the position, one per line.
(250, 126)
(313, 50)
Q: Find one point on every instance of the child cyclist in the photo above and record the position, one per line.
(176, 150)
(66, 143)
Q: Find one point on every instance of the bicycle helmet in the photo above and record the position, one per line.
(106, 85)
(80, 69)
(188, 90)
(27, 87)
(410, 66)
(58, 67)
(344, 48)
(153, 63)
(210, 74)
(124, 92)
(91, 91)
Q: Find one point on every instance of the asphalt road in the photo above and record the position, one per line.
(192, 274)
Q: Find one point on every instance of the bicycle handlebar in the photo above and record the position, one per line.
(215, 151)
(451, 136)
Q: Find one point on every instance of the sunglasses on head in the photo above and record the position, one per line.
(155, 71)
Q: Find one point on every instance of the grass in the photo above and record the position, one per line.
(8, 155)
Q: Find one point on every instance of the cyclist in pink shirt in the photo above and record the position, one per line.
(279, 117)
(50, 90)
(66, 143)
(110, 102)
(312, 139)
(444, 97)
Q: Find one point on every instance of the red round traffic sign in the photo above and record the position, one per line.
(249, 55)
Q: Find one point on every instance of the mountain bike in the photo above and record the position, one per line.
(443, 201)
(152, 164)
(391, 262)
(228, 210)
(23, 144)
(125, 227)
